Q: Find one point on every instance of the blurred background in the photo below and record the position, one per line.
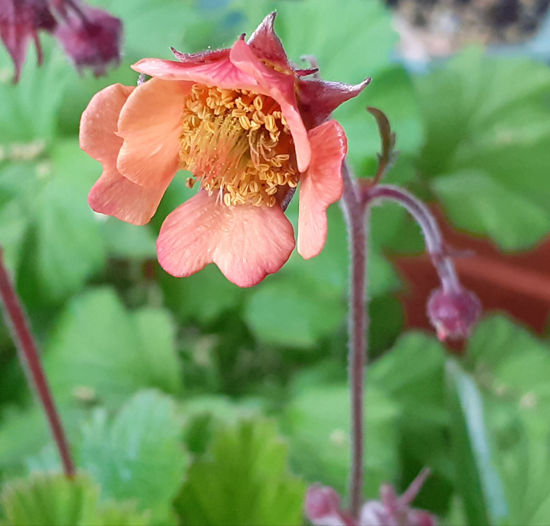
(191, 401)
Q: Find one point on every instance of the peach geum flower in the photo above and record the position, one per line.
(249, 127)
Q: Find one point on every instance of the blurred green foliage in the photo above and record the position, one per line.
(194, 402)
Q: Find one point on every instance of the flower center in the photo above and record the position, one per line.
(238, 144)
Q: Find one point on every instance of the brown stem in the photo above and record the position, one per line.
(356, 217)
(30, 360)
(432, 235)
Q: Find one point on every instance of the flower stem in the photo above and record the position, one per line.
(30, 360)
(430, 229)
(356, 216)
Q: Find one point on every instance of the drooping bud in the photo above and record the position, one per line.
(21, 20)
(453, 313)
(91, 38)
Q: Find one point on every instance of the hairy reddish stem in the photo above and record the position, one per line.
(430, 229)
(30, 360)
(356, 216)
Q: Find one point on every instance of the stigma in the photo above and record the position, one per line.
(238, 145)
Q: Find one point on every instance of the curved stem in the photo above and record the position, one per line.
(30, 360)
(432, 235)
(356, 217)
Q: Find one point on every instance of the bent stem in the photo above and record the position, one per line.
(30, 360)
(430, 229)
(356, 218)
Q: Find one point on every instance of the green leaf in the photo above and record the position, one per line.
(156, 333)
(22, 433)
(66, 248)
(471, 105)
(13, 226)
(49, 499)
(202, 297)
(208, 414)
(412, 373)
(151, 28)
(101, 350)
(477, 478)
(317, 423)
(527, 480)
(385, 322)
(351, 40)
(120, 514)
(483, 205)
(55, 500)
(305, 315)
(138, 455)
(127, 241)
(244, 480)
(488, 137)
(512, 366)
(29, 108)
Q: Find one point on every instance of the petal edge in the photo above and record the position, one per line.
(320, 186)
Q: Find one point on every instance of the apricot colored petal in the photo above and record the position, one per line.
(117, 196)
(113, 194)
(279, 86)
(215, 71)
(266, 44)
(150, 124)
(319, 98)
(320, 186)
(98, 123)
(245, 242)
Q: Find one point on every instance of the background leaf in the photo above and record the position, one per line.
(138, 454)
(53, 499)
(478, 480)
(317, 423)
(487, 133)
(100, 350)
(243, 480)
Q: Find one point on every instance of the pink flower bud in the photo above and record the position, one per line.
(453, 313)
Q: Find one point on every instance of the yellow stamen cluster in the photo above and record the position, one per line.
(238, 144)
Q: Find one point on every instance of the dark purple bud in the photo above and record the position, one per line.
(453, 313)
(21, 20)
(91, 37)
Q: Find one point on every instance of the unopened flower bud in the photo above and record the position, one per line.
(453, 313)
(91, 38)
